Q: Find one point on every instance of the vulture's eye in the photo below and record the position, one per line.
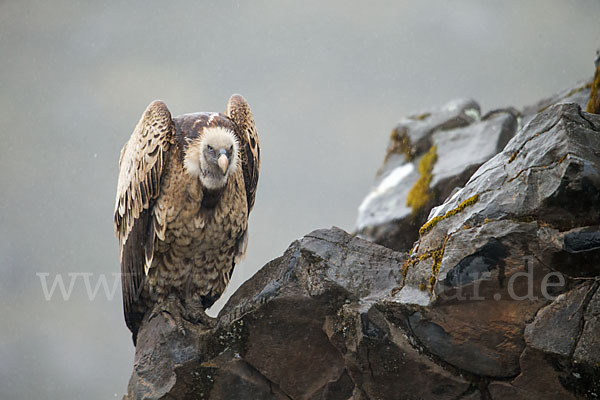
(231, 149)
(210, 149)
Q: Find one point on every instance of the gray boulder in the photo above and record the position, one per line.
(578, 94)
(429, 155)
(309, 325)
(503, 274)
(458, 140)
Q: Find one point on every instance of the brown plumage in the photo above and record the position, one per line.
(186, 187)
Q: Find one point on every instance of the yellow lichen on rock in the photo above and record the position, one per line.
(412, 261)
(420, 117)
(436, 259)
(593, 105)
(433, 222)
(437, 256)
(419, 195)
(400, 144)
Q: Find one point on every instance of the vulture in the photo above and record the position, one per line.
(186, 186)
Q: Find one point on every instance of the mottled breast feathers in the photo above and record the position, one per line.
(156, 142)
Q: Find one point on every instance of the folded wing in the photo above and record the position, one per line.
(137, 223)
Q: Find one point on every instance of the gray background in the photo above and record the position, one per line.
(327, 81)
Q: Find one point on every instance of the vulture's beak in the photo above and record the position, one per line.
(223, 162)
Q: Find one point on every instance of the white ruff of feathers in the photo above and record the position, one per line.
(217, 137)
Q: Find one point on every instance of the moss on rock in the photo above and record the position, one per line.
(433, 222)
(419, 194)
(400, 144)
(593, 105)
(437, 256)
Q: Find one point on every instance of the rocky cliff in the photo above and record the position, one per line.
(497, 299)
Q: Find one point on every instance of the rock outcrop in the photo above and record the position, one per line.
(497, 299)
(428, 156)
(433, 153)
(505, 269)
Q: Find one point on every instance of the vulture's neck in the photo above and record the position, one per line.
(210, 198)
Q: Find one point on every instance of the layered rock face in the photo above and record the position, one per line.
(505, 271)
(428, 156)
(497, 299)
(433, 153)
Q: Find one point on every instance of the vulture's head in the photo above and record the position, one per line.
(213, 157)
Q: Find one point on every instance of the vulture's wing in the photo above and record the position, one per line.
(137, 224)
(239, 112)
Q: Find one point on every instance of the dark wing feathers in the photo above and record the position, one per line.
(132, 270)
(141, 165)
(239, 112)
